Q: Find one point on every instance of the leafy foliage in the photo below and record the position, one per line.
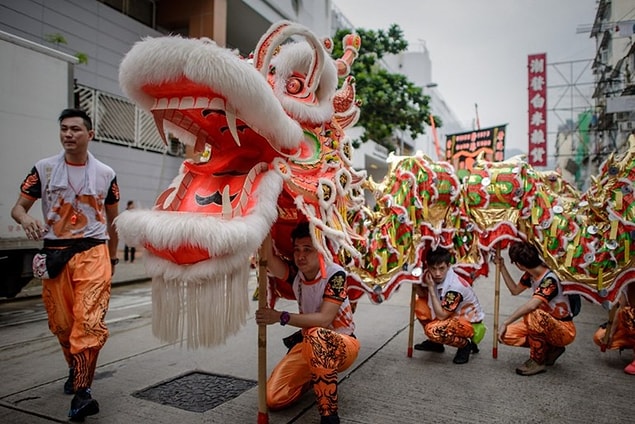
(59, 39)
(390, 101)
(55, 38)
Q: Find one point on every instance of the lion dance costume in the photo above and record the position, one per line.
(270, 151)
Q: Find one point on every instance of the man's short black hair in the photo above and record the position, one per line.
(525, 254)
(300, 231)
(76, 113)
(438, 256)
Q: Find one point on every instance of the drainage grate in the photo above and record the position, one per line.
(196, 391)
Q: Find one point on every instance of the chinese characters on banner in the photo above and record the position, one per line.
(462, 149)
(537, 95)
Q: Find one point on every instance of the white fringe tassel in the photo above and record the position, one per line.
(202, 313)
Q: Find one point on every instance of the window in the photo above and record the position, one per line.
(139, 10)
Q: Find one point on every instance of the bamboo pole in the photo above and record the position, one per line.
(497, 299)
(606, 340)
(263, 414)
(411, 325)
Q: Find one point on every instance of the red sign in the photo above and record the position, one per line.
(537, 96)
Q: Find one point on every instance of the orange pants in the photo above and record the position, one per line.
(453, 331)
(539, 331)
(76, 302)
(623, 330)
(316, 361)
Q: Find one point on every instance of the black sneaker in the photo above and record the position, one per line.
(430, 346)
(82, 405)
(68, 385)
(475, 348)
(330, 419)
(463, 354)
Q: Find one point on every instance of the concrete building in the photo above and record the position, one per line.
(104, 30)
(417, 66)
(613, 68)
(101, 32)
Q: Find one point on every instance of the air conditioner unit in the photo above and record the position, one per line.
(627, 126)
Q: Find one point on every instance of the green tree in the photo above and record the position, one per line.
(389, 101)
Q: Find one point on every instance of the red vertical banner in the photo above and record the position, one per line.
(537, 96)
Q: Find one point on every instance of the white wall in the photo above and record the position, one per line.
(88, 26)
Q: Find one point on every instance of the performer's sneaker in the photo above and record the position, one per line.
(82, 405)
(531, 367)
(430, 346)
(330, 419)
(553, 354)
(630, 368)
(463, 354)
(68, 384)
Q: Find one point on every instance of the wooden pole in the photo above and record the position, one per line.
(478, 120)
(435, 138)
(497, 299)
(263, 413)
(411, 327)
(606, 340)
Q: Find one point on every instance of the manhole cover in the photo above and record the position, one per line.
(196, 391)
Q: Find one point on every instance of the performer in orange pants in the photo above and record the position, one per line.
(313, 362)
(452, 331)
(622, 330)
(328, 344)
(79, 325)
(80, 201)
(545, 322)
(538, 330)
(447, 307)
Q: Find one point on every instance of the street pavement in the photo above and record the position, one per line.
(384, 385)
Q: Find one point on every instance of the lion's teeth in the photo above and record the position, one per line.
(231, 124)
(227, 204)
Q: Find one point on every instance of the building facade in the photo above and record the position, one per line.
(613, 67)
(101, 32)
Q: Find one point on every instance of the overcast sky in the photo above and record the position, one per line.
(479, 52)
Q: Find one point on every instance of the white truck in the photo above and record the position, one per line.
(36, 84)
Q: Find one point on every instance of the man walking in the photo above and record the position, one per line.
(79, 196)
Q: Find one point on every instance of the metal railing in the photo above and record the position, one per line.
(117, 120)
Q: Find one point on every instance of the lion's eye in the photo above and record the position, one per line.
(294, 85)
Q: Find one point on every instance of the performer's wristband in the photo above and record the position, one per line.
(284, 318)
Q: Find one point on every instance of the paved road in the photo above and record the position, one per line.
(383, 386)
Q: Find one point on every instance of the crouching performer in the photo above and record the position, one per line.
(448, 309)
(621, 332)
(328, 345)
(545, 321)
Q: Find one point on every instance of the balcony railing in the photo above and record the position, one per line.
(117, 120)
